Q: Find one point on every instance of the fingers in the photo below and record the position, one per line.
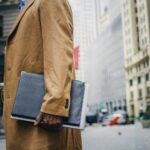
(46, 121)
(55, 123)
(53, 120)
(46, 118)
(38, 119)
(52, 128)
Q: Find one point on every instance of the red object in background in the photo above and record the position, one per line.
(114, 121)
(76, 57)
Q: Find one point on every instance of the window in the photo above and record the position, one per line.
(128, 31)
(120, 105)
(126, 42)
(1, 26)
(140, 93)
(139, 80)
(143, 6)
(137, 20)
(142, 42)
(137, 29)
(145, 29)
(148, 91)
(127, 11)
(131, 82)
(141, 30)
(147, 77)
(140, 9)
(131, 95)
(144, 66)
(145, 40)
(125, 108)
(138, 67)
(124, 5)
(143, 18)
(115, 108)
(147, 62)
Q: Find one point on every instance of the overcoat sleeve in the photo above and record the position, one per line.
(57, 56)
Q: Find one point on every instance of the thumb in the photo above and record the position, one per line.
(38, 119)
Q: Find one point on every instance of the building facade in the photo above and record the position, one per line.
(106, 63)
(8, 13)
(98, 32)
(136, 31)
(85, 18)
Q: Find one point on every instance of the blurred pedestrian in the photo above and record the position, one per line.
(41, 41)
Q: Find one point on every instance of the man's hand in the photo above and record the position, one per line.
(48, 121)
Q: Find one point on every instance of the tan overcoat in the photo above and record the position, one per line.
(41, 41)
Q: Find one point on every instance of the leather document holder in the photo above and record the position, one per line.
(29, 97)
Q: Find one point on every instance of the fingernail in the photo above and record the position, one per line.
(35, 123)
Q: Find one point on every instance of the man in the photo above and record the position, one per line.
(41, 41)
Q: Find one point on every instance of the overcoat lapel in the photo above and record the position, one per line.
(20, 16)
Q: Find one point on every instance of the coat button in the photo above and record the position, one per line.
(67, 104)
(8, 97)
(9, 69)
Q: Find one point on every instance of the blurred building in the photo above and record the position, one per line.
(104, 18)
(8, 13)
(106, 68)
(104, 22)
(86, 14)
(106, 74)
(136, 31)
(98, 34)
(98, 13)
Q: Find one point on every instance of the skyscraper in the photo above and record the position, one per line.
(136, 31)
(106, 61)
(101, 60)
(85, 30)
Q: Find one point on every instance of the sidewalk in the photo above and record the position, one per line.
(1, 128)
(2, 145)
(2, 140)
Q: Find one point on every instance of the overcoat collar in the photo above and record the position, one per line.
(20, 16)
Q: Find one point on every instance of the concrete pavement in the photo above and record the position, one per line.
(130, 137)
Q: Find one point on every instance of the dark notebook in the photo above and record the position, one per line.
(29, 97)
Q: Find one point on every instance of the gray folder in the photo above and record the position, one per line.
(29, 97)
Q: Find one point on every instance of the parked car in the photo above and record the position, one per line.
(99, 117)
(91, 116)
(123, 116)
(106, 120)
(146, 118)
(118, 117)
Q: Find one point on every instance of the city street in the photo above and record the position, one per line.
(103, 43)
(131, 137)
